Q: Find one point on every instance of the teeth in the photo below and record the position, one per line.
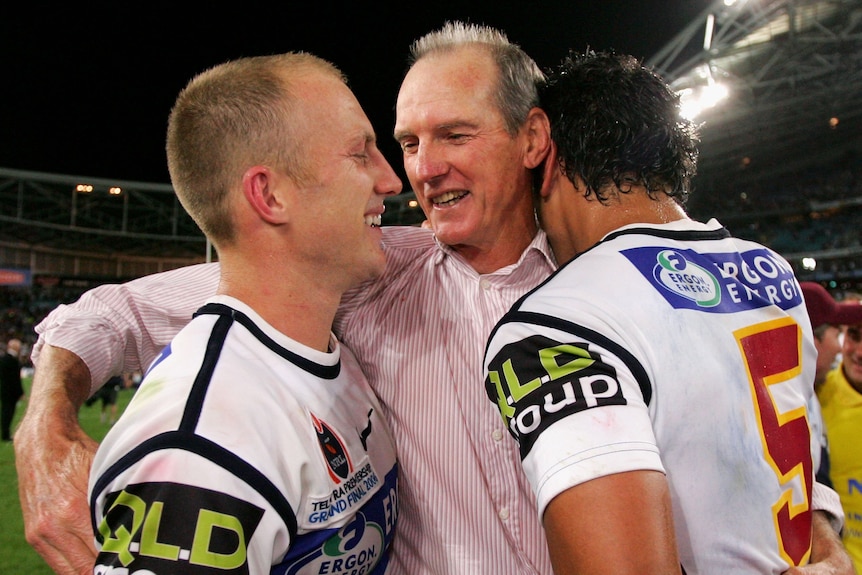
(373, 221)
(448, 197)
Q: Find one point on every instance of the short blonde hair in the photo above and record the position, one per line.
(234, 115)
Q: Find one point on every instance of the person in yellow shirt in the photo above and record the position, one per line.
(840, 397)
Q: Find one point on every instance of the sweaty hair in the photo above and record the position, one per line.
(616, 123)
(519, 75)
(228, 118)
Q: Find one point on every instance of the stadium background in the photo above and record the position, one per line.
(781, 163)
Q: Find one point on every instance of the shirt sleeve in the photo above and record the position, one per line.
(122, 327)
(824, 498)
(575, 408)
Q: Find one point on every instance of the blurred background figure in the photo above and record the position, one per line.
(108, 394)
(827, 322)
(828, 318)
(11, 390)
(840, 396)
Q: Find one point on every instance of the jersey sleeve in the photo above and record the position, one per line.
(122, 327)
(576, 404)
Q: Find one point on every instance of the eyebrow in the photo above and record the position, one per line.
(400, 135)
(364, 138)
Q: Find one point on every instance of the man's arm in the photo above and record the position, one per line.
(614, 525)
(53, 456)
(122, 327)
(828, 555)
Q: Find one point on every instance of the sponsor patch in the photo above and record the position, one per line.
(345, 498)
(538, 381)
(358, 547)
(164, 527)
(355, 548)
(717, 282)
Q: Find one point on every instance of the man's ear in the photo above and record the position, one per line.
(538, 137)
(263, 193)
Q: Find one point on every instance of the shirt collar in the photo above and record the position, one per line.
(538, 248)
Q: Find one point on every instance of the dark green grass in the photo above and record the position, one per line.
(16, 556)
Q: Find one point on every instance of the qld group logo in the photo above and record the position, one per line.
(687, 279)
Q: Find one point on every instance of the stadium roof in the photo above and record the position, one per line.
(793, 69)
(95, 215)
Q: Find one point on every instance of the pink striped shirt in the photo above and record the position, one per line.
(419, 333)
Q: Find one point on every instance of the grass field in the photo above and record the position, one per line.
(16, 556)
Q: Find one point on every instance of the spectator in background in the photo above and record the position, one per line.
(11, 390)
(828, 319)
(108, 395)
(840, 398)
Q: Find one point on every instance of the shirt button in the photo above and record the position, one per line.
(504, 513)
(497, 435)
(485, 284)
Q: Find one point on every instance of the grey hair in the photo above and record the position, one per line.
(519, 76)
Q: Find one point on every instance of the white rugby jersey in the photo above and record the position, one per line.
(244, 451)
(674, 348)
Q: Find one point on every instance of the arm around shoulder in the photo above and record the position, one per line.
(122, 327)
(53, 456)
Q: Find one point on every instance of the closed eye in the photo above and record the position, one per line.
(407, 145)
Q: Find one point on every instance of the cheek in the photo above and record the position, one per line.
(851, 346)
(424, 205)
(409, 163)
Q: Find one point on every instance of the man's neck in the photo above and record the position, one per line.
(486, 261)
(628, 209)
(291, 303)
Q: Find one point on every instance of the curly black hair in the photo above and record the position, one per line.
(614, 121)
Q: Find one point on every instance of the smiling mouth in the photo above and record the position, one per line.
(374, 221)
(449, 198)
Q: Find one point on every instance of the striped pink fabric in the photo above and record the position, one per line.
(419, 333)
(122, 327)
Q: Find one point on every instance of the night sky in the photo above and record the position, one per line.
(87, 92)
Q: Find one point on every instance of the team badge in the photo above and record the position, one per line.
(334, 452)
